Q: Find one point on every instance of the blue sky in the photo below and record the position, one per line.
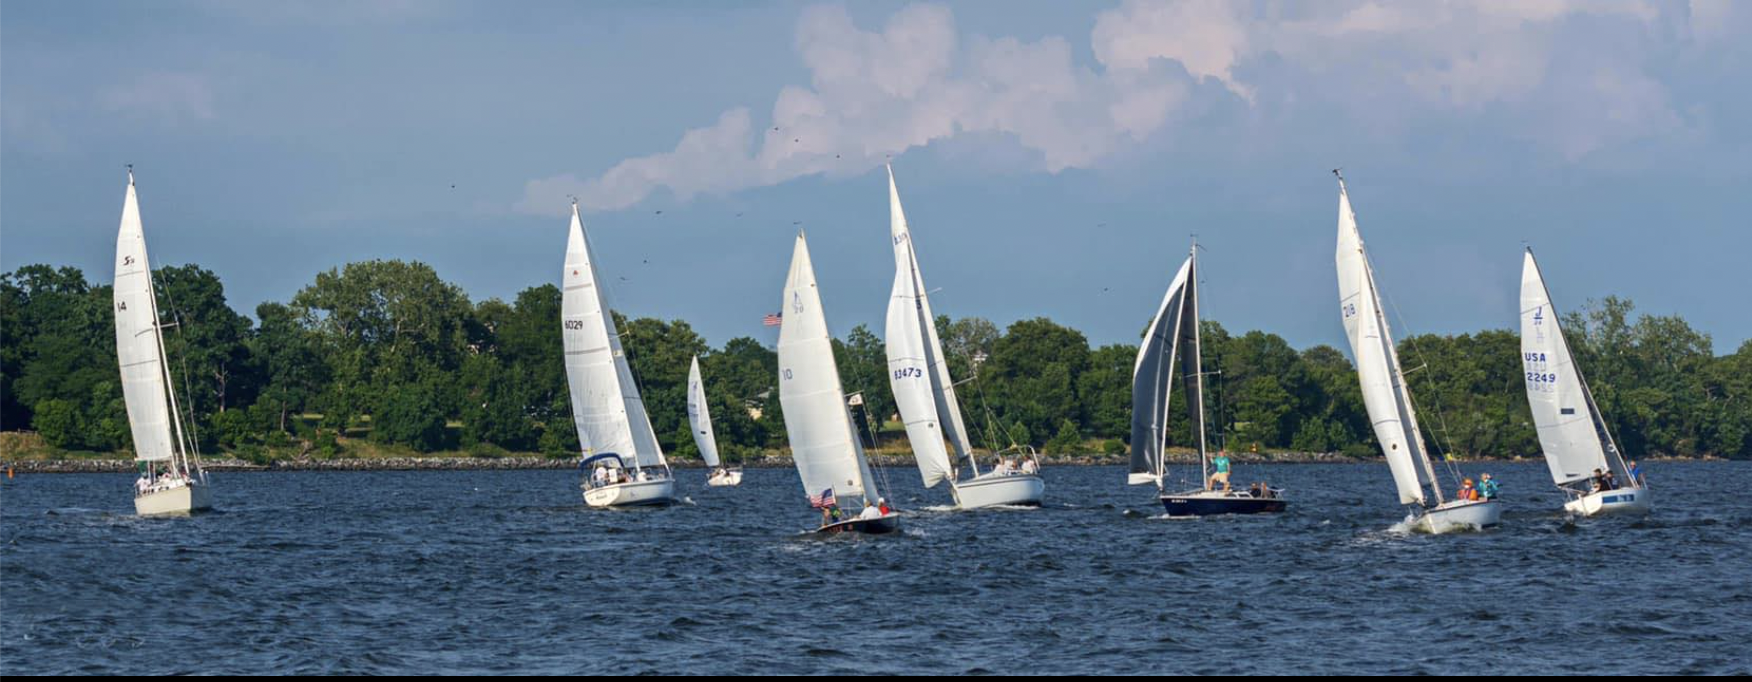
(1054, 158)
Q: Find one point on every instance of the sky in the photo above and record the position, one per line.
(1055, 159)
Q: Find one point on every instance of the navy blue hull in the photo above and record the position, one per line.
(882, 526)
(1178, 505)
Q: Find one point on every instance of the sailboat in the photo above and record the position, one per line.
(1386, 394)
(171, 479)
(925, 393)
(824, 444)
(699, 419)
(1572, 432)
(620, 451)
(1171, 350)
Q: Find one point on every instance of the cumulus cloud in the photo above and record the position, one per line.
(1569, 75)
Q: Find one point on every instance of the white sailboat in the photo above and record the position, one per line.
(1572, 432)
(925, 393)
(620, 451)
(824, 443)
(171, 479)
(1386, 394)
(699, 419)
(1172, 352)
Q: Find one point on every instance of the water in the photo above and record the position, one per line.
(506, 572)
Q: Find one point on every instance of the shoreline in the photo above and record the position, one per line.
(114, 466)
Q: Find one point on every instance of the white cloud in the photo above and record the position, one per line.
(167, 96)
(874, 93)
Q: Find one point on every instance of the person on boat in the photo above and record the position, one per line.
(871, 512)
(882, 504)
(1466, 491)
(1636, 476)
(1603, 481)
(1221, 464)
(1030, 467)
(1487, 487)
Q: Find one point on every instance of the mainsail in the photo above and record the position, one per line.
(923, 390)
(1172, 336)
(699, 418)
(1571, 430)
(824, 444)
(605, 400)
(140, 344)
(1383, 383)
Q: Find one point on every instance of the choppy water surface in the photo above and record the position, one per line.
(507, 572)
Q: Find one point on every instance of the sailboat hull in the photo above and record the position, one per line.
(1628, 501)
(179, 501)
(1459, 516)
(730, 477)
(655, 493)
(1016, 490)
(878, 526)
(1217, 503)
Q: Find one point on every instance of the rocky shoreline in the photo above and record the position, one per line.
(101, 466)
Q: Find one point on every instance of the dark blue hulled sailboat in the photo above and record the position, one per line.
(1170, 352)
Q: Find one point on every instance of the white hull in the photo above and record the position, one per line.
(1024, 490)
(179, 501)
(632, 494)
(730, 477)
(1621, 501)
(1460, 516)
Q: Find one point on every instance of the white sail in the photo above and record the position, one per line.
(1571, 432)
(923, 390)
(605, 401)
(1384, 391)
(699, 418)
(824, 445)
(138, 342)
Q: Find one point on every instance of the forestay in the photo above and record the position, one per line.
(823, 443)
(699, 417)
(606, 406)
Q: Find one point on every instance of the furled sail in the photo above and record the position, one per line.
(606, 406)
(824, 445)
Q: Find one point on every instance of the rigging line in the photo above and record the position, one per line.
(188, 389)
(1435, 395)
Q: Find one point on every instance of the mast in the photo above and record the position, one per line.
(1204, 459)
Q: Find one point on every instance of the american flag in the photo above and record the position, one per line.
(773, 319)
(825, 499)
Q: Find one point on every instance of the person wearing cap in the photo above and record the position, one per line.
(1466, 491)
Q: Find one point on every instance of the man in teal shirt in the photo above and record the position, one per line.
(1221, 464)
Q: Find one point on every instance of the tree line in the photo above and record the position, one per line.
(388, 352)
